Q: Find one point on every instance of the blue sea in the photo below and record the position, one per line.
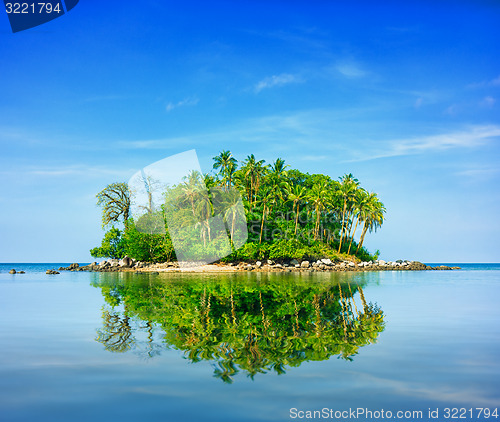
(82, 346)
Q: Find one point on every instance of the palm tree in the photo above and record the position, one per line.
(318, 197)
(268, 197)
(296, 194)
(227, 164)
(278, 167)
(253, 171)
(374, 217)
(360, 209)
(347, 190)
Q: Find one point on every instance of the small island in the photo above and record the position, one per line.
(294, 221)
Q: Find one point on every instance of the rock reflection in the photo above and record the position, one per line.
(240, 325)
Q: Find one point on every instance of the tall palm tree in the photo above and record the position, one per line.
(296, 194)
(267, 199)
(374, 217)
(347, 190)
(318, 197)
(253, 171)
(279, 166)
(227, 165)
(360, 209)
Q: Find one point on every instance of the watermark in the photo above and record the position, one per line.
(28, 14)
(204, 225)
(363, 413)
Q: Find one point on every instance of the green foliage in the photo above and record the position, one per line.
(112, 246)
(289, 214)
(241, 324)
(147, 247)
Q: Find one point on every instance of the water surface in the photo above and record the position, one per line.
(105, 346)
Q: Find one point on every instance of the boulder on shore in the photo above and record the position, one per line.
(13, 271)
(125, 262)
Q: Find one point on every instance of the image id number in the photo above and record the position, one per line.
(25, 8)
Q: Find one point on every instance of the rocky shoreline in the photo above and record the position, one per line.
(322, 265)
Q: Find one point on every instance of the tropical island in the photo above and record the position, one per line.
(293, 220)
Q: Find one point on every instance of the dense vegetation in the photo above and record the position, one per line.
(289, 214)
(251, 325)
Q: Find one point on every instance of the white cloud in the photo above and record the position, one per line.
(488, 102)
(276, 80)
(471, 137)
(75, 170)
(482, 84)
(189, 101)
(479, 173)
(350, 70)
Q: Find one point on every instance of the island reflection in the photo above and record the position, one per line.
(238, 323)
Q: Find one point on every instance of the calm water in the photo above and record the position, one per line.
(247, 347)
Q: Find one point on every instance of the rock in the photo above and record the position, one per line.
(125, 262)
(416, 265)
(21, 272)
(53, 271)
(297, 265)
(13, 271)
(327, 261)
(258, 264)
(294, 262)
(351, 264)
(73, 266)
(381, 262)
(270, 262)
(304, 264)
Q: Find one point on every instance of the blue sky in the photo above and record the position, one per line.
(404, 95)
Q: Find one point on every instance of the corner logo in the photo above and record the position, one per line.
(204, 224)
(26, 15)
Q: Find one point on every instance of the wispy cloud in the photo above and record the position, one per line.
(493, 82)
(163, 143)
(479, 173)
(350, 70)
(487, 102)
(277, 80)
(73, 170)
(189, 101)
(471, 137)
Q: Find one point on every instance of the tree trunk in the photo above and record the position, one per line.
(353, 233)
(362, 238)
(343, 219)
(296, 218)
(262, 224)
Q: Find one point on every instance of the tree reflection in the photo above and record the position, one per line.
(116, 333)
(240, 325)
